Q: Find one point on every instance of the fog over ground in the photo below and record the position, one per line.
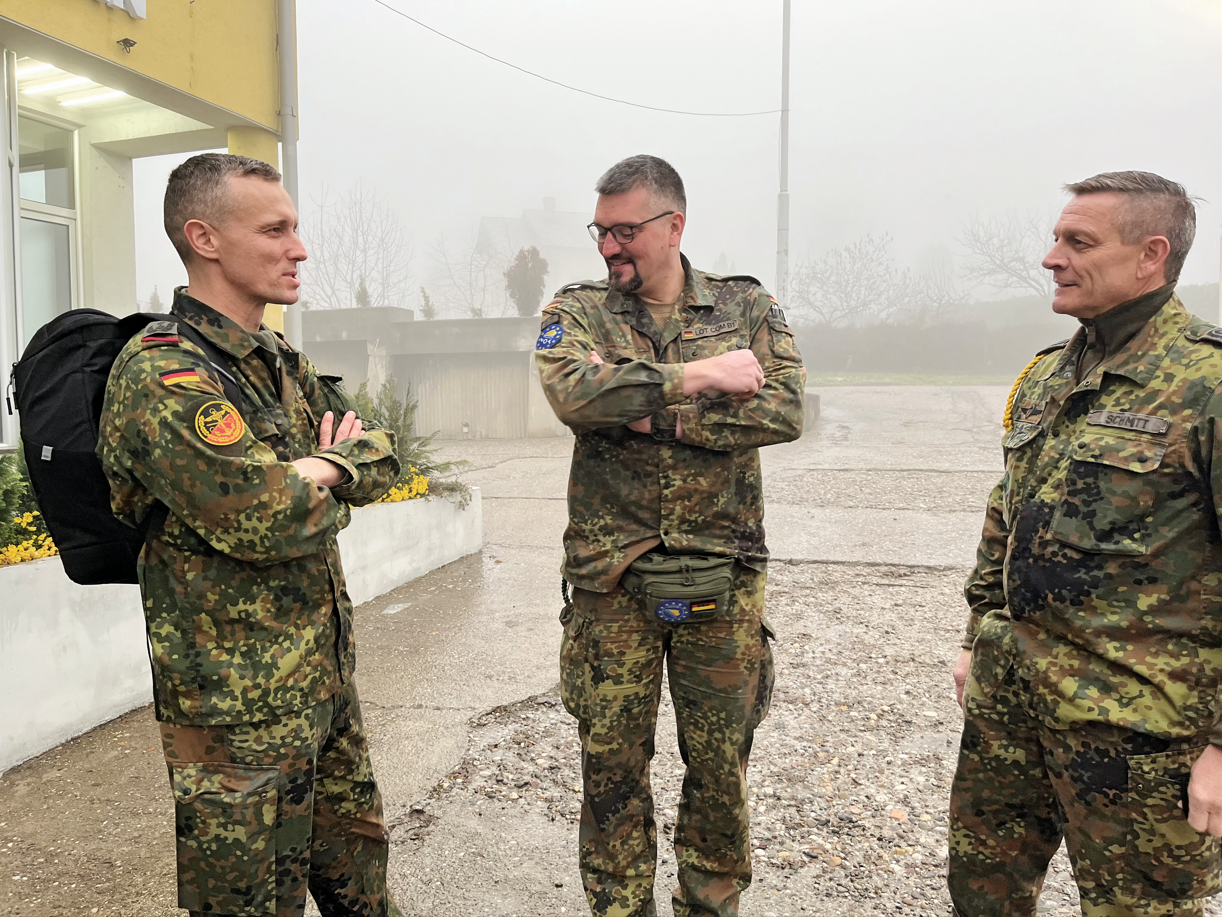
(906, 118)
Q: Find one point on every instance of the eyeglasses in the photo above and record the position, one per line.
(623, 233)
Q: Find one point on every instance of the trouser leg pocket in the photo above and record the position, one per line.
(1169, 857)
(225, 820)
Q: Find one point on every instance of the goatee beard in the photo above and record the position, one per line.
(630, 285)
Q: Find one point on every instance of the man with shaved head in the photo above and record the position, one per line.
(1092, 663)
(244, 464)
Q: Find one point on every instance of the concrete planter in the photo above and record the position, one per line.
(73, 657)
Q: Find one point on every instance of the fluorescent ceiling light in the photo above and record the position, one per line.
(34, 70)
(89, 100)
(57, 85)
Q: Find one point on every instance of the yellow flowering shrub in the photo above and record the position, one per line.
(413, 486)
(32, 547)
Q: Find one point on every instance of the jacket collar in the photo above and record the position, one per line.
(1140, 358)
(696, 291)
(221, 330)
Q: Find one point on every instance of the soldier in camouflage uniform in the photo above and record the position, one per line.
(671, 379)
(1093, 655)
(249, 621)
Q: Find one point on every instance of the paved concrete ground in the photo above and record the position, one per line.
(889, 476)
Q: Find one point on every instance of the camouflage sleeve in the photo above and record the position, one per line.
(1207, 435)
(370, 460)
(985, 589)
(167, 424)
(589, 396)
(775, 413)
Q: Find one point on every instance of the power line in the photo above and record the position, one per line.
(548, 79)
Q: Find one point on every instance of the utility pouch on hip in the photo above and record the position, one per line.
(681, 588)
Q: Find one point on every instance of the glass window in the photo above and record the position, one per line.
(46, 273)
(46, 163)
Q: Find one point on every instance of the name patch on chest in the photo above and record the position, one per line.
(1142, 423)
(710, 330)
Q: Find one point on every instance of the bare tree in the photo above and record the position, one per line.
(1006, 253)
(859, 284)
(359, 252)
(470, 278)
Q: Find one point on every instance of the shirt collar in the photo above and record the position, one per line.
(220, 329)
(1109, 332)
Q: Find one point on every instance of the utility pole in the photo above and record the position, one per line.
(782, 199)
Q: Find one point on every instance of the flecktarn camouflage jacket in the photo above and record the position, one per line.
(244, 595)
(699, 493)
(1099, 573)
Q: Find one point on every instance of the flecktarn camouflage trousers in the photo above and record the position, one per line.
(721, 675)
(265, 809)
(1112, 793)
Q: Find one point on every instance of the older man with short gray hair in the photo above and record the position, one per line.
(1092, 663)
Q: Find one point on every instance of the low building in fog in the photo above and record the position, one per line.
(472, 378)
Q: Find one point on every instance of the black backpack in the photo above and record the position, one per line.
(59, 384)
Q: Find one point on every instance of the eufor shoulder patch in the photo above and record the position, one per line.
(179, 376)
(550, 337)
(218, 424)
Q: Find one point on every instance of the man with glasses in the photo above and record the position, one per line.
(671, 379)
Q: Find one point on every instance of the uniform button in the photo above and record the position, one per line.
(1066, 375)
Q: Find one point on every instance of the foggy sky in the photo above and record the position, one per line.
(906, 117)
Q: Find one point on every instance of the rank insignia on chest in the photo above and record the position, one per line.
(1029, 413)
(179, 376)
(550, 337)
(672, 611)
(218, 424)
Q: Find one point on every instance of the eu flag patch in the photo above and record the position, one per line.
(672, 611)
(550, 337)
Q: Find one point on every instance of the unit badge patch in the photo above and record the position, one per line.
(672, 611)
(219, 424)
(550, 337)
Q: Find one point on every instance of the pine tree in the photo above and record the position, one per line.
(155, 302)
(428, 311)
(362, 295)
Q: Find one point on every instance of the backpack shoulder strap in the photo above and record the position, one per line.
(220, 361)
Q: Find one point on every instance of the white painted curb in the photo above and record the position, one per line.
(73, 657)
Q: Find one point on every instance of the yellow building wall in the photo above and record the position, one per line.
(221, 51)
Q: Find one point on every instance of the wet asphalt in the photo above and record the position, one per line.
(889, 475)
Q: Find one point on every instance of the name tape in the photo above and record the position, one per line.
(1142, 423)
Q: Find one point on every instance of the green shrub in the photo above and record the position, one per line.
(416, 454)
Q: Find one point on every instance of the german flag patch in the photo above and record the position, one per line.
(710, 605)
(179, 376)
(164, 338)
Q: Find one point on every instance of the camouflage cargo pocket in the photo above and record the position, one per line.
(226, 831)
(574, 664)
(1167, 856)
(1110, 492)
(763, 696)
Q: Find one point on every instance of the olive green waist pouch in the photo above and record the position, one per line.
(681, 588)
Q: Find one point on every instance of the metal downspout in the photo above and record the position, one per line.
(286, 14)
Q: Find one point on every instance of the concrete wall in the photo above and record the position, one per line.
(73, 657)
